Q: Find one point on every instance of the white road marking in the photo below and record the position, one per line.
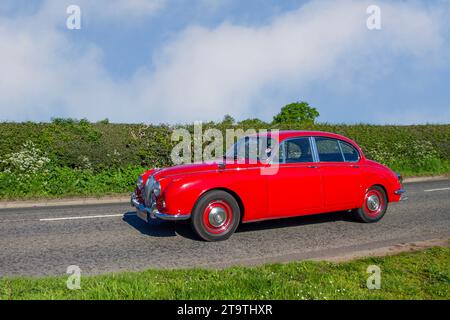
(439, 189)
(84, 217)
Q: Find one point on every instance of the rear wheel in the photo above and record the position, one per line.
(216, 216)
(374, 206)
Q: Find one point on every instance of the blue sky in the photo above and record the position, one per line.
(179, 61)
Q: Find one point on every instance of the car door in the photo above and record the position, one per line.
(341, 173)
(297, 188)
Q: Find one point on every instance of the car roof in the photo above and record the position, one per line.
(286, 134)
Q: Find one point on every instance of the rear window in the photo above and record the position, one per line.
(350, 153)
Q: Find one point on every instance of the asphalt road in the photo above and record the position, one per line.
(107, 238)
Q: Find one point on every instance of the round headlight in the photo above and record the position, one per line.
(140, 182)
(156, 189)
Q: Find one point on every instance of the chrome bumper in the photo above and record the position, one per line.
(146, 213)
(402, 194)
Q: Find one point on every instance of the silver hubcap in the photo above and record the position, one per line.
(373, 203)
(217, 217)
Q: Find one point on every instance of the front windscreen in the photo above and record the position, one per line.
(252, 147)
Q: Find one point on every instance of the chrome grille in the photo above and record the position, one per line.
(148, 192)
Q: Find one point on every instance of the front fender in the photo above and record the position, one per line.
(181, 194)
(248, 186)
(385, 177)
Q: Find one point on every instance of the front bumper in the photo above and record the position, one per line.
(146, 213)
(401, 193)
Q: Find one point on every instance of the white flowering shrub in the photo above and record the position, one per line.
(415, 156)
(115, 157)
(84, 163)
(381, 153)
(29, 160)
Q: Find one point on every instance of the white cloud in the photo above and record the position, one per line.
(204, 73)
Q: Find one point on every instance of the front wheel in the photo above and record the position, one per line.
(216, 216)
(374, 206)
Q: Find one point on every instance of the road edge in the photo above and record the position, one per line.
(63, 202)
(126, 198)
(332, 256)
(388, 251)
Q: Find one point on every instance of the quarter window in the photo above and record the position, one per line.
(350, 153)
(328, 150)
(297, 150)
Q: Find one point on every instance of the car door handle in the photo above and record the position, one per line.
(312, 167)
(354, 166)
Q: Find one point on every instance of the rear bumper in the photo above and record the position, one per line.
(401, 193)
(146, 213)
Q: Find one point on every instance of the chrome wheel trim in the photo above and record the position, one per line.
(217, 217)
(373, 202)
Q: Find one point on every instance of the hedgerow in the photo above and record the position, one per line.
(70, 156)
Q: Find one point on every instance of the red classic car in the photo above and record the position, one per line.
(316, 172)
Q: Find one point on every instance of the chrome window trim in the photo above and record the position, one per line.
(311, 146)
(314, 148)
(343, 155)
(284, 151)
(315, 152)
(329, 138)
(340, 149)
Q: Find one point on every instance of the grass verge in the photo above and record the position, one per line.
(416, 275)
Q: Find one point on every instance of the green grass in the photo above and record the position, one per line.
(417, 275)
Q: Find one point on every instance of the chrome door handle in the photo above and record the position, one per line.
(312, 167)
(354, 166)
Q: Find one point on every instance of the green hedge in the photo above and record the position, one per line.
(78, 157)
(59, 182)
(80, 144)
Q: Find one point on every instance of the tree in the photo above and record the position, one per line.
(252, 123)
(228, 120)
(296, 112)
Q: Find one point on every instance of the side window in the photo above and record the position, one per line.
(350, 153)
(328, 150)
(297, 150)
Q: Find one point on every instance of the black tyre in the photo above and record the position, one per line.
(215, 216)
(374, 206)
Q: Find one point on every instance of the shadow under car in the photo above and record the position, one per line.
(160, 228)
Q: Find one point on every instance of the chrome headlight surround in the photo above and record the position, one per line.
(156, 189)
(152, 191)
(140, 182)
